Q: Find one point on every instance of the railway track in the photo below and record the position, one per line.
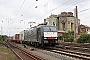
(74, 54)
(79, 55)
(34, 57)
(77, 45)
(69, 53)
(75, 48)
(17, 55)
(24, 52)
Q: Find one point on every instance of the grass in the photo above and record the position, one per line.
(6, 53)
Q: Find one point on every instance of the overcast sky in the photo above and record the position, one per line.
(15, 14)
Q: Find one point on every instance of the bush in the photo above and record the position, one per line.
(85, 38)
(69, 37)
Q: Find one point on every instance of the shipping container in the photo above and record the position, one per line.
(17, 36)
(23, 35)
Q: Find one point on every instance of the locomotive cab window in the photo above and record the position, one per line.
(49, 29)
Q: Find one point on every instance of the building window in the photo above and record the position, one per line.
(63, 26)
(53, 24)
(82, 26)
(72, 26)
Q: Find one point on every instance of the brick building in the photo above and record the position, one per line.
(83, 29)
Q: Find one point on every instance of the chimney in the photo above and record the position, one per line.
(76, 12)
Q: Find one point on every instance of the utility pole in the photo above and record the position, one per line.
(1, 29)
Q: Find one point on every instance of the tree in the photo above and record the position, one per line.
(2, 38)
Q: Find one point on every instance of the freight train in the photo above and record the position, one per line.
(42, 35)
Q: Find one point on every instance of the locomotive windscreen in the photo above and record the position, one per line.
(50, 29)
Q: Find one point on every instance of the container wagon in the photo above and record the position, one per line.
(23, 36)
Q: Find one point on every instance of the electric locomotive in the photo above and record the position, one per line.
(43, 35)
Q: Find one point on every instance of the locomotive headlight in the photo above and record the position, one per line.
(45, 38)
(55, 38)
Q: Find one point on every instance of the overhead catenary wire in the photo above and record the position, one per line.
(17, 6)
(74, 4)
(21, 7)
(26, 9)
(19, 10)
(84, 10)
(51, 10)
(29, 8)
(60, 6)
(7, 18)
(11, 18)
(54, 9)
(24, 12)
(36, 6)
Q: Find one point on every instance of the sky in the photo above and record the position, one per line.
(15, 15)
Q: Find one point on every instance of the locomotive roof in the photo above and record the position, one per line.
(43, 25)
